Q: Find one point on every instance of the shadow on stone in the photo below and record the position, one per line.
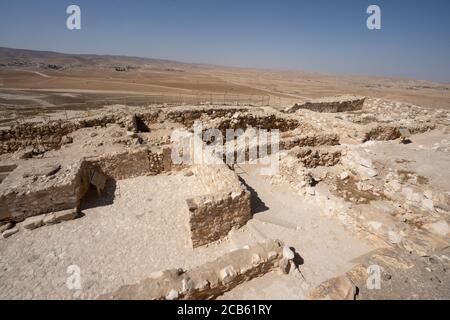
(92, 199)
(298, 260)
(257, 204)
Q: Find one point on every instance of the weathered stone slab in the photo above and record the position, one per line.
(208, 280)
(65, 215)
(8, 233)
(45, 170)
(33, 222)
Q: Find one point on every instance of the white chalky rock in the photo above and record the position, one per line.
(311, 191)
(302, 184)
(49, 218)
(371, 172)
(288, 253)
(285, 266)
(440, 228)
(408, 192)
(256, 259)
(235, 195)
(394, 185)
(173, 295)
(428, 194)
(344, 175)
(416, 197)
(394, 237)
(188, 285)
(411, 196)
(33, 222)
(428, 204)
(8, 233)
(364, 186)
(272, 255)
(356, 157)
(6, 226)
(156, 275)
(227, 274)
(375, 225)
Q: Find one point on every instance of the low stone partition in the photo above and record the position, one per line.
(388, 132)
(5, 170)
(49, 135)
(257, 120)
(209, 280)
(130, 163)
(188, 115)
(330, 104)
(309, 140)
(43, 186)
(224, 207)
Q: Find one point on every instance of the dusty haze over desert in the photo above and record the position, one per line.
(32, 82)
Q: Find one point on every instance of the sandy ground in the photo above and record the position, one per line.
(324, 247)
(427, 155)
(142, 231)
(328, 250)
(143, 228)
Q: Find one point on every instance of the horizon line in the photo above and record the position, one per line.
(168, 60)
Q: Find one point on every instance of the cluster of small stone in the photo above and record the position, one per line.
(8, 229)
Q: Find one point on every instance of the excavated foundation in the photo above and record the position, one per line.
(119, 165)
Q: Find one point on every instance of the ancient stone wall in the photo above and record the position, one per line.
(330, 105)
(130, 163)
(49, 135)
(207, 281)
(211, 217)
(386, 132)
(34, 195)
(25, 194)
(226, 206)
(309, 140)
(187, 117)
(256, 120)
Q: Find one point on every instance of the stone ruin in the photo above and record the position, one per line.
(330, 105)
(49, 169)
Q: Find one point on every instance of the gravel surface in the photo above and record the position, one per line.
(144, 230)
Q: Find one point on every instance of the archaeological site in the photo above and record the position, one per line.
(347, 197)
(224, 159)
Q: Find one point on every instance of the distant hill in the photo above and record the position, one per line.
(111, 74)
(47, 59)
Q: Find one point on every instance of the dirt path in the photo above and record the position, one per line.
(35, 99)
(36, 72)
(325, 248)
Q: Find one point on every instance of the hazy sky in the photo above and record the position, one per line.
(315, 35)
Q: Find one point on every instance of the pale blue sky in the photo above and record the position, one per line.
(323, 36)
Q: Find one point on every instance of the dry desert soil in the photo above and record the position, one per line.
(359, 207)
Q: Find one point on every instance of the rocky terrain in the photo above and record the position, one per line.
(357, 208)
